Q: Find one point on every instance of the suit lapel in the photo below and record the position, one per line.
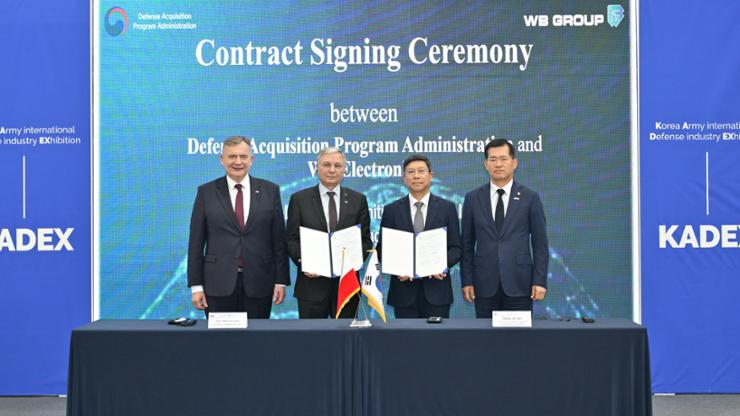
(515, 200)
(222, 191)
(484, 198)
(432, 213)
(406, 222)
(343, 211)
(319, 208)
(255, 197)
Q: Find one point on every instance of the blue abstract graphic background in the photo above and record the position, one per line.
(573, 100)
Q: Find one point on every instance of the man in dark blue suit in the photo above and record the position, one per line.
(505, 250)
(420, 210)
(237, 260)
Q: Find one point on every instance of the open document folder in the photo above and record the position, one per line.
(414, 254)
(321, 252)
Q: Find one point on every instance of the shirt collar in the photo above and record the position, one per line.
(323, 189)
(244, 182)
(506, 188)
(425, 199)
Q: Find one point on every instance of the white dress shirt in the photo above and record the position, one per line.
(494, 197)
(325, 202)
(246, 195)
(424, 207)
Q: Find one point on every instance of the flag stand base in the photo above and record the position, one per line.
(360, 324)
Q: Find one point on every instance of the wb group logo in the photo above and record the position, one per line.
(119, 20)
(614, 14)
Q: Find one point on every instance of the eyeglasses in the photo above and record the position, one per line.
(421, 172)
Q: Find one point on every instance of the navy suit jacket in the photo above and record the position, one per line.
(520, 250)
(305, 210)
(217, 241)
(440, 213)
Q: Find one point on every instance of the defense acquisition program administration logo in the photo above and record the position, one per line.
(120, 25)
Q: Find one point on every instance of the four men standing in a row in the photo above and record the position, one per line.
(238, 256)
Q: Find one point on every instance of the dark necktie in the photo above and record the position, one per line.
(418, 217)
(239, 206)
(499, 217)
(239, 211)
(332, 211)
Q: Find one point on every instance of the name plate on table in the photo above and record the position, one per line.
(511, 319)
(227, 320)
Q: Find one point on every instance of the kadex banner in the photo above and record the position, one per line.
(45, 190)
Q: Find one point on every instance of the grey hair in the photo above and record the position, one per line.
(328, 151)
(235, 140)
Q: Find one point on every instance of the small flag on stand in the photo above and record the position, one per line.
(348, 284)
(371, 286)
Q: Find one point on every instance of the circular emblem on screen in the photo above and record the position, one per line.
(116, 21)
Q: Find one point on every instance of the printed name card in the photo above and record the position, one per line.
(511, 319)
(227, 320)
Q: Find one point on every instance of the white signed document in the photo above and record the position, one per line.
(431, 252)
(398, 252)
(416, 255)
(315, 252)
(320, 249)
(348, 242)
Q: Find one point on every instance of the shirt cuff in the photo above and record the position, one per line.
(196, 289)
(279, 285)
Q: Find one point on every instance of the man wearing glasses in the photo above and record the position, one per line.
(420, 210)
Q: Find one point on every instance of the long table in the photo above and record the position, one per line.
(323, 367)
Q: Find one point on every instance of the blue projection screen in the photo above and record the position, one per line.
(381, 81)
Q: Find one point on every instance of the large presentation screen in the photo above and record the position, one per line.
(381, 81)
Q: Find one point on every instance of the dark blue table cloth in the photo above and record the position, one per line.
(323, 367)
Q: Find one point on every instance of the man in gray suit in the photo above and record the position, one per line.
(505, 252)
(237, 260)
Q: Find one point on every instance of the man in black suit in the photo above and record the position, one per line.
(420, 210)
(505, 250)
(325, 207)
(237, 260)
